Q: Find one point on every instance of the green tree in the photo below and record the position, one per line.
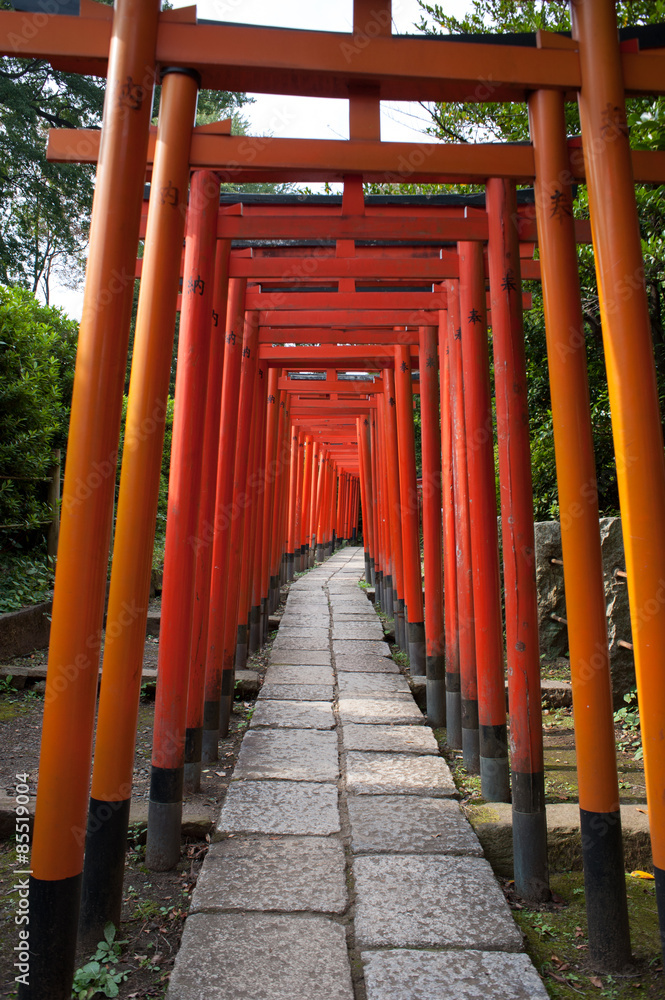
(37, 351)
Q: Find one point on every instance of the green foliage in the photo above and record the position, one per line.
(37, 351)
(100, 974)
(627, 718)
(24, 579)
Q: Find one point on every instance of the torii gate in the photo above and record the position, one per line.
(231, 57)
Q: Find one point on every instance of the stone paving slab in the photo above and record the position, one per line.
(301, 620)
(397, 774)
(456, 975)
(293, 715)
(281, 673)
(398, 709)
(381, 824)
(296, 657)
(267, 873)
(296, 632)
(423, 901)
(235, 956)
(365, 663)
(372, 685)
(280, 807)
(360, 647)
(345, 631)
(288, 755)
(303, 642)
(359, 616)
(389, 739)
(296, 692)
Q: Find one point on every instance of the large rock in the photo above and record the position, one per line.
(551, 599)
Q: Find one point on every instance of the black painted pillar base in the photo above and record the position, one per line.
(530, 837)
(290, 566)
(605, 890)
(470, 736)
(436, 691)
(388, 596)
(104, 869)
(254, 628)
(368, 568)
(659, 875)
(241, 647)
(226, 702)
(378, 588)
(193, 748)
(54, 912)
(162, 849)
(283, 570)
(319, 552)
(453, 711)
(371, 572)
(417, 658)
(210, 736)
(274, 594)
(494, 765)
(400, 625)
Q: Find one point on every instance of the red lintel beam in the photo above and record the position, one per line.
(345, 357)
(322, 64)
(243, 159)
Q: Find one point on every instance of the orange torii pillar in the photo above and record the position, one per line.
(432, 525)
(453, 691)
(249, 500)
(311, 527)
(636, 418)
(87, 504)
(269, 496)
(308, 480)
(395, 521)
(523, 654)
(248, 380)
(215, 676)
(600, 816)
(281, 491)
(379, 540)
(258, 486)
(493, 739)
(465, 621)
(293, 501)
(205, 533)
(297, 527)
(108, 817)
(363, 497)
(388, 605)
(413, 594)
(368, 509)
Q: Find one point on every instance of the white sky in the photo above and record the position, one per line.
(304, 117)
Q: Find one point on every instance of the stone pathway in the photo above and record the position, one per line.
(343, 868)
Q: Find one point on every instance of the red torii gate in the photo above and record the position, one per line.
(591, 66)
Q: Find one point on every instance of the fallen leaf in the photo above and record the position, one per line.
(640, 874)
(596, 981)
(579, 932)
(645, 811)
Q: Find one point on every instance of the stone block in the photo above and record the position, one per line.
(365, 663)
(390, 739)
(455, 975)
(372, 685)
(399, 710)
(345, 630)
(280, 807)
(389, 825)
(295, 657)
(288, 755)
(423, 901)
(360, 647)
(265, 873)
(397, 774)
(280, 673)
(237, 956)
(296, 692)
(293, 715)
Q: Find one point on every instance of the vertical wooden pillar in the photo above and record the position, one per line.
(388, 605)
(636, 418)
(432, 525)
(293, 502)
(600, 816)
(465, 618)
(215, 677)
(248, 379)
(413, 594)
(368, 510)
(493, 739)
(395, 520)
(270, 480)
(205, 532)
(453, 692)
(523, 655)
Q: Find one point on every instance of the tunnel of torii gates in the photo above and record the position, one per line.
(302, 326)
